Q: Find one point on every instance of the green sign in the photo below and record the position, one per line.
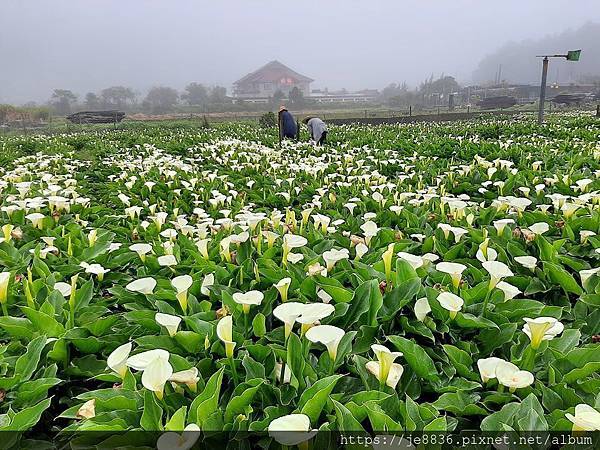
(573, 55)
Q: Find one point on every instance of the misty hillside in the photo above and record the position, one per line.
(519, 64)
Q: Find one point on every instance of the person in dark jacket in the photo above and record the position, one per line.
(287, 123)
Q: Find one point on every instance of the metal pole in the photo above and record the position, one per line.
(543, 90)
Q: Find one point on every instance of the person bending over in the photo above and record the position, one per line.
(317, 129)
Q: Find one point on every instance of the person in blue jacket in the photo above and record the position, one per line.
(287, 122)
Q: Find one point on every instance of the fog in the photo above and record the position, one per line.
(354, 44)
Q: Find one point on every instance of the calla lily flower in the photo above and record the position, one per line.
(4, 280)
(529, 262)
(141, 249)
(288, 313)
(292, 429)
(386, 358)
(370, 230)
(312, 313)
(508, 289)
(422, 308)
(208, 281)
(499, 225)
(225, 334)
(539, 228)
(189, 377)
(455, 271)
(95, 269)
(487, 368)
(282, 286)
(497, 270)
(512, 377)
(541, 329)
(36, 219)
(171, 323)
(394, 375)
(7, 231)
(62, 287)
(175, 441)
(143, 286)
(182, 284)
(450, 302)
(248, 299)
(117, 360)
(586, 418)
(142, 360)
(414, 260)
(156, 374)
(387, 260)
(361, 249)
(328, 335)
(332, 256)
(167, 261)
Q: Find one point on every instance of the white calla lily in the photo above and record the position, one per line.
(541, 329)
(487, 368)
(117, 360)
(248, 299)
(329, 336)
(141, 360)
(143, 286)
(156, 374)
(512, 377)
(292, 429)
(586, 418)
(450, 302)
(171, 323)
(455, 271)
(282, 287)
(497, 271)
(182, 284)
(225, 334)
(422, 308)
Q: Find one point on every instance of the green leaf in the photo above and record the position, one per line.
(28, 417)
(84, 295)
(152, 415)
(241, 398)
(558, 274)
(345, 419)
(27, 363)
(361, 304)
(416, 357)
(295, 359)
(313, 400)
(207, 401)
(177, 420)
(460, 404)
(18, 327)
(43, 322)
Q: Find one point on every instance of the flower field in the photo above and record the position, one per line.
(436, 277)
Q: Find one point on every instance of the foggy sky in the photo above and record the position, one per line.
(87, 45)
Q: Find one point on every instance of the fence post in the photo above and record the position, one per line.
(409, 110)
(598, 111)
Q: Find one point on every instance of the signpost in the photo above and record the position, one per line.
(572, 55)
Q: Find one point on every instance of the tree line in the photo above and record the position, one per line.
(158, 100)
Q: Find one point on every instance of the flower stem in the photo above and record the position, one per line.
(4, 309)
(236, 380)
(485, 302)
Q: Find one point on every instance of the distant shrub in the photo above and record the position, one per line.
(268, 120)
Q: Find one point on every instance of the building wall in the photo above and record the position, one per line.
(251, 90)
